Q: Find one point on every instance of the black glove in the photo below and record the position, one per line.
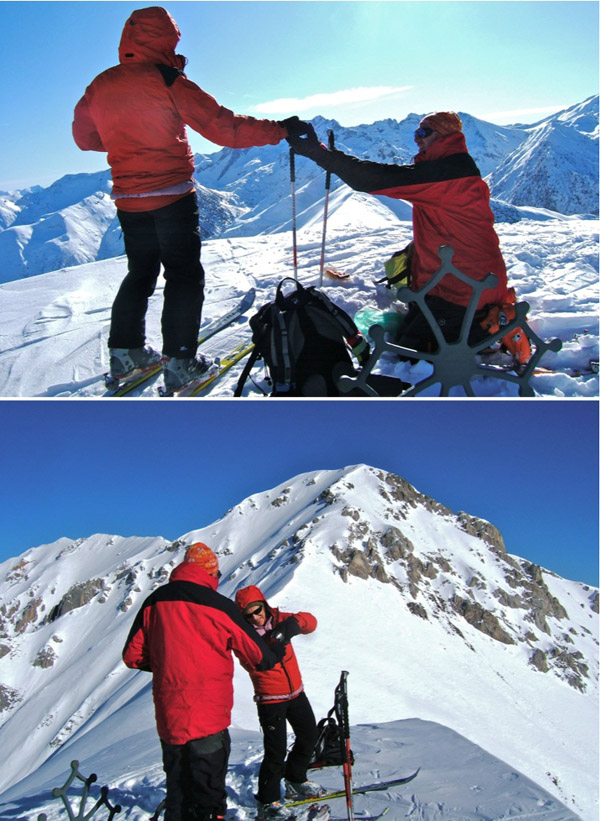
(278, 651)
(295, 127)
(285, 630)
(308, 145)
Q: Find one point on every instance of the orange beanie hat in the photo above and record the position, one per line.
(445, 122)
(198, 553)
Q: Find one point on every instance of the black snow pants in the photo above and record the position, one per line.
(273, 717)
(416, 333)
(196, 774)
(171, 236)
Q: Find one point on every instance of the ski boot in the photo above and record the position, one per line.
(178, 373)
(126, 362)
(306, 789)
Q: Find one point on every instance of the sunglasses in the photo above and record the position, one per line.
(252, 613)
(423, 131)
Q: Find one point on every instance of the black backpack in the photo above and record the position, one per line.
(304, 340)
(329, 748)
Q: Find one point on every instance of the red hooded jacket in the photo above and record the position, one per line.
(138, 112)
(184, 634)
(450, 207)
(282, 682)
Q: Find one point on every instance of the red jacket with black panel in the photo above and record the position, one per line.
(451, 206)
(185, 634)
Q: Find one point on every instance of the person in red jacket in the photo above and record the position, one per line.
(184, 634)
(450, 207)
(280, 698)
(137, 112)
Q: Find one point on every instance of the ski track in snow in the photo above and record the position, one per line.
(53, 342)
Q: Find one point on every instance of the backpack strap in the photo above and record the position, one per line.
(247, 369)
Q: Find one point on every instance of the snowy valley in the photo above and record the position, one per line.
(464, 659)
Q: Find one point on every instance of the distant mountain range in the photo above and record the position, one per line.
(552, 165)
(425, 607)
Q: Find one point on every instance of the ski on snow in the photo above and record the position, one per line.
(222, 366)
(124, 386)
(376, 787)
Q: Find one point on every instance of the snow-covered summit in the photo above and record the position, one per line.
(425, 607)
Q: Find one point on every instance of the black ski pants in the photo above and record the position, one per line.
(273, 717)
(171, 236)
(195, 774)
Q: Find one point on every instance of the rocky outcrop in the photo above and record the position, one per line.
(77, 596)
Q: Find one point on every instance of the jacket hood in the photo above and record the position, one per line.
(444, 147)
(248, 595)
(188, 572)
(150, 36)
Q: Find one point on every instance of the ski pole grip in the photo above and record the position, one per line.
(292, 170)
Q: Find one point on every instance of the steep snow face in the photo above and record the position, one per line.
(425, 608)
(552, 165)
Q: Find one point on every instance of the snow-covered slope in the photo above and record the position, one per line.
(53, 339)
(556, 166)
(552, 165)
(425, 608)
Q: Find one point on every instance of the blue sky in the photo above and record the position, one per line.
(158, 468)
(357, 62)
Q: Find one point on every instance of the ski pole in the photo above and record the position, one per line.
(325, 212)
(293, 198)
(341, 705)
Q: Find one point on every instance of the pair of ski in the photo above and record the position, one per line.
(378, 786)
(138, 379)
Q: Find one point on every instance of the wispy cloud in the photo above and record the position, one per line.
(349, 96)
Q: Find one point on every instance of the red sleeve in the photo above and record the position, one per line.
(135, 652)
(220, 125)
(84, 130)
(306, 621)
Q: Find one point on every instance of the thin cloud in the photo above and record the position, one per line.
(349, 96)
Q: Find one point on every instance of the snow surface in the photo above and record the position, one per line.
(55, 325)
(495, 737)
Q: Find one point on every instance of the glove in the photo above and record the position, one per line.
(308, 145)
(278, 651)
(286, 630)
(295, 127)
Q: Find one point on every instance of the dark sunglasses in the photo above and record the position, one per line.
(248, 616)
(423, 131)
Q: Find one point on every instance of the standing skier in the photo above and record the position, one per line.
(137, 112)
(280, 698)
(450, 207)
(184, 634)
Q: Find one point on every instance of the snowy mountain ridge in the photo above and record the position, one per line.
(428, 611)
(552, 165)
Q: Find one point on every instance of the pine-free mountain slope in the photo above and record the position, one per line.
(552, 165)
(431, 616)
